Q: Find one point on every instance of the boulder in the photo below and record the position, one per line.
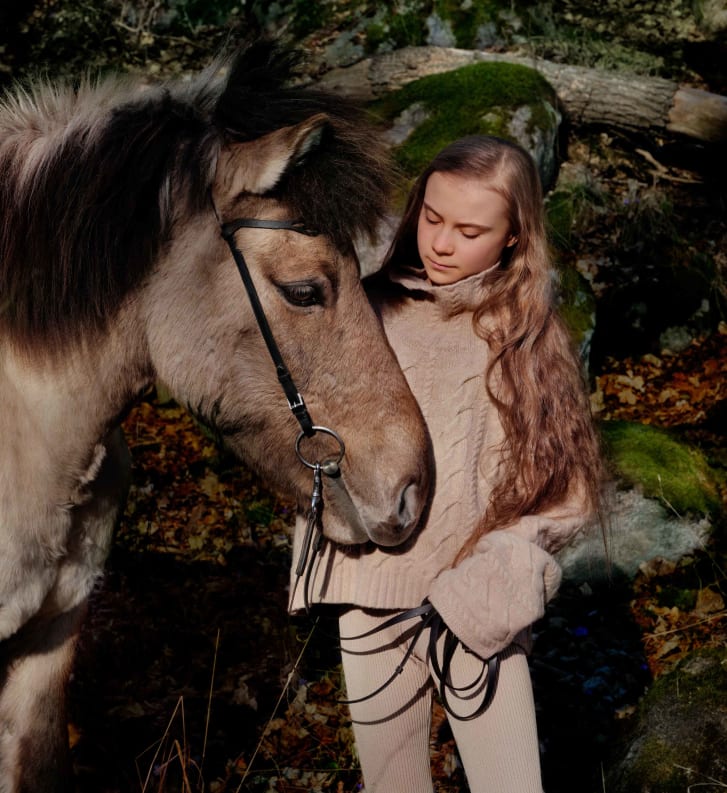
(664, 503)
(509, 100)
(638, 529)
(679, 742)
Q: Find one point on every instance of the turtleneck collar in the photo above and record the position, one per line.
(457, 298)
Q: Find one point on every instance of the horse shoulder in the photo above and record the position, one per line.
(56, 517)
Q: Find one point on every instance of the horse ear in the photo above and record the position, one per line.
(257, 166)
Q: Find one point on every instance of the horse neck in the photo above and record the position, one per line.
(57, 412)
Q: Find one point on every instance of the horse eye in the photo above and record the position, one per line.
(302, 294)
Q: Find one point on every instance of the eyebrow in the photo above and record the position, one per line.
(464, 225)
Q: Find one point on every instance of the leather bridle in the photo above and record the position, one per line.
(331, 465)
(296, 403)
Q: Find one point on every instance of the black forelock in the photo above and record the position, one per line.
(342, 187)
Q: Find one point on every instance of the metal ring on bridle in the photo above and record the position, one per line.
(332, 462)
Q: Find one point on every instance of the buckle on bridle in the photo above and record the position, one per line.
(298, 402)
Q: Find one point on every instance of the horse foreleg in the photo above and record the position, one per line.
(34, 756)
(36, 661)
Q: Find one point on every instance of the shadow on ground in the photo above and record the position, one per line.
(161, 633)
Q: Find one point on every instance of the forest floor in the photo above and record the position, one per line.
(191, 676)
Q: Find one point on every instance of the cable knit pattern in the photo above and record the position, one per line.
(493, 595)
(502, 588)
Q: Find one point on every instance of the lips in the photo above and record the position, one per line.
(440, 266)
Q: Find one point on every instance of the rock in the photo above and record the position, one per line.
(371, 254)
(713, 16)
(406, 122)
(680, 740)
(664, 509)
(538, 136)
(508, 100)
(639, 530)
(440, 32)
(664, 467)
(578, 309)
(344, 50)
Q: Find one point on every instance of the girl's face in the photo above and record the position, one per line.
(463, 227)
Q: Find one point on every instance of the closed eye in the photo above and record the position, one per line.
(302, 294)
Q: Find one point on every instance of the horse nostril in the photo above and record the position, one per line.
(409, 504)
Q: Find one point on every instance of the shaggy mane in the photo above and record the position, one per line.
(92, 180)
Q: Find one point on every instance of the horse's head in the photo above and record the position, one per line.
(209, 350)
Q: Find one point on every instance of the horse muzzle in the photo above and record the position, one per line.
(349, 522)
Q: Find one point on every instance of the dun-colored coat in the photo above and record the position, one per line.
(113, 276)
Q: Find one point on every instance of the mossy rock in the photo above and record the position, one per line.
(471, 25)
(663, 466)
(680, 739)
(578, 308)
(503, 99)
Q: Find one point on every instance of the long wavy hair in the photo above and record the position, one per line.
(534, 375)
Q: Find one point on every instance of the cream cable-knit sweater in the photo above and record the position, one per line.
(493, 595)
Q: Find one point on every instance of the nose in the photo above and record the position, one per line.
(395, 530)
(442, 241)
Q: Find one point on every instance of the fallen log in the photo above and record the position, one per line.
(588, 96)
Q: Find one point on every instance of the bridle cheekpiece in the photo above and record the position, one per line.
(296, 403)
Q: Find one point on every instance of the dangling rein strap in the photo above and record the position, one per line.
(296, 403)
(486, 680)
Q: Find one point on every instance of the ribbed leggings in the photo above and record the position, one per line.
(498, 749)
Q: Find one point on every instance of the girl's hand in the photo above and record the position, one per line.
(491, 596)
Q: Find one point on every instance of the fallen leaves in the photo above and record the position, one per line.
(680, 608)
(198, 509)
(668, 390)
(188, 498)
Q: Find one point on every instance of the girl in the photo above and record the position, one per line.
(465, 296)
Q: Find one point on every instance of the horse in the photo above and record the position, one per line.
(114, 276)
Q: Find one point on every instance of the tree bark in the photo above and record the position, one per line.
(588, 96)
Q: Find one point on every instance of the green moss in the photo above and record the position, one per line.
(466, 19)
(571, 211)
(461, 102)
(678, 728)
(578, 303)
(657, 765)
(663, 466)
